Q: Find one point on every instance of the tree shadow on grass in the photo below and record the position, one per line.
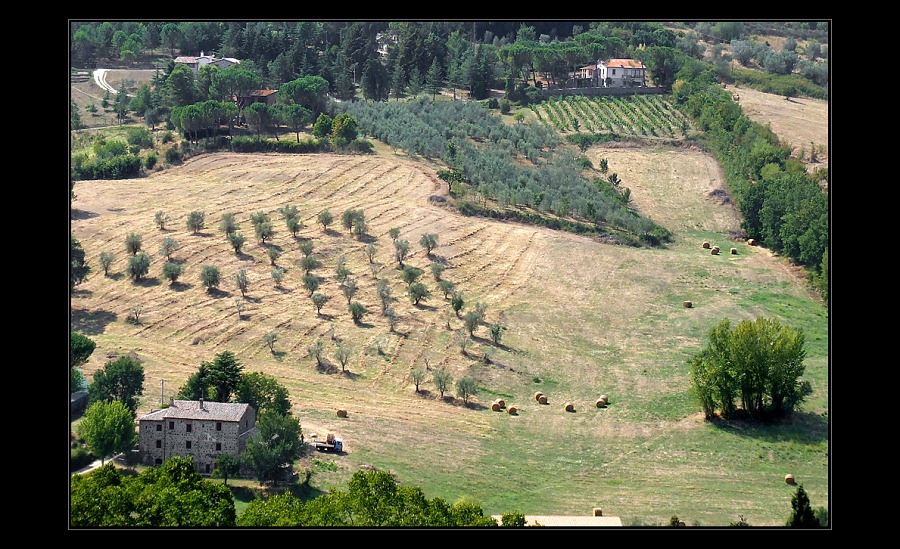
(350, 375)
(800, 427)
(82, 214)
(217, 293)
(92, 322)
(279, 355)
(422, 306)
(180, 286)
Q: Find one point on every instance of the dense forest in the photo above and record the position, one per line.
(329, 67)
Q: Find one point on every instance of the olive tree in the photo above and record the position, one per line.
(442, 380)
(237, 241)
(133, 243)
(243, 281)
(325, 219)
(196, 221)
(211, 277)
(167, 247)
(466, 387)
(138, 266)
(106, 259)
(429, 241)
(171, 271)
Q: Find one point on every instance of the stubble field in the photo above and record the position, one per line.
(582, 319)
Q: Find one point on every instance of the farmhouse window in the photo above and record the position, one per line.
(187, 444)
(614, 72)
(207, 468)
(218, 426)
(171, 425)
(218, 447)
(189, 427)
(159, 427)
(159, 444)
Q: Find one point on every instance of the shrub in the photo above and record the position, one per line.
(150, 161)
(174, 156)
(79, 458)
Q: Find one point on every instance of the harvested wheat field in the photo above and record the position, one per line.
(580, 317)
(801, 122)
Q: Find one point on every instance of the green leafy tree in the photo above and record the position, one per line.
(293, 225)
(161, 218)
(196, 221)
(264, 392)
(357, 311)
(107, 428)
(418, 292)
(376, 81)
(171, 496)
(466, 387)
(78, 266)
(343, 354)
(319, 300)
(167, 247)
(349, 288)
(242, 279)
(442, 380)
(758, 363)
(133, 243)
(496, 332)
(437, 268)
(311, 282)
(296, 117)
(394, 233)
(264, 231)
(121, 379)
(447, 287)
(433, 81)
(229, 224)
(325, 219)
(273, 253)
(802, 515)
(322, 126)
(343, 130)
(223, 375)
(237, 241)
(138, 266)
(457, 302)
(401, 251)
(211, 277)
(308, 263)
(418, 376)
(513, 519)
(81, 347)
(271, 338)
(227, 465)
(277, 275)
(410, 274)
(274, 447)
(171, 271)
(106, 260)
(315, 351)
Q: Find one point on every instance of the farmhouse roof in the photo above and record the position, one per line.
(262, 93)
(624, 63)
(199, 410)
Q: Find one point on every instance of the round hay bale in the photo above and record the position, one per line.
(543, 399)
(538, 395)
(706, 245)
(501, 402)
(734, 251)
(342, 413)
(751, 242)
(598, 512)
(512, 410)
(688, 304)
(601, 402)
(714, 251)
(789, 479)
(495, 407)
(570, 407)
(604, 398)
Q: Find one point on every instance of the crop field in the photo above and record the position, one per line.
(646, 116)
(582, 318)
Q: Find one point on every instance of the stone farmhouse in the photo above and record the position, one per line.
(614, 73)
(202, 430)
